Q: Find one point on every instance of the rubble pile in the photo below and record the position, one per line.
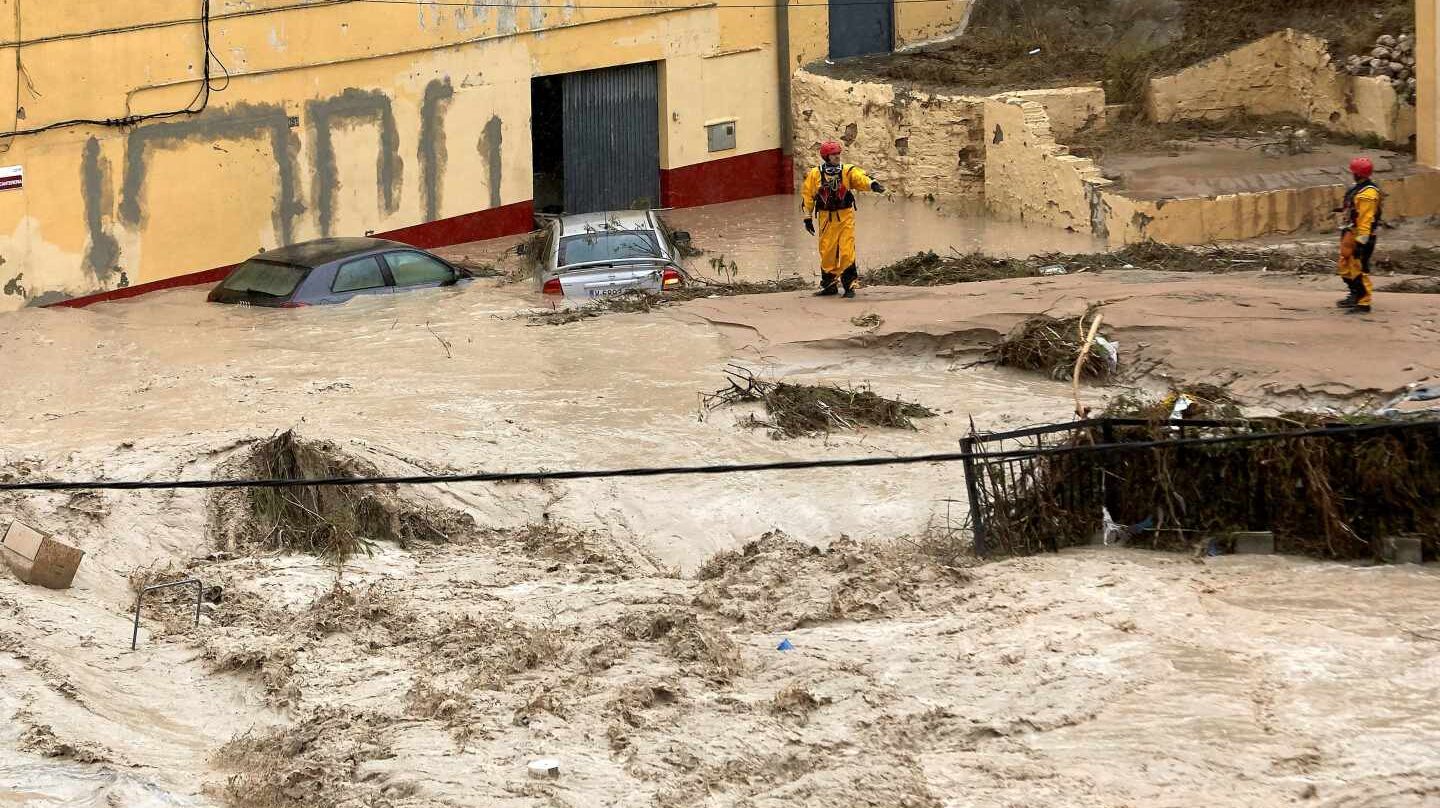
(1393, 58)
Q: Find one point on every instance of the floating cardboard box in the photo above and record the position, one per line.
(37, 558)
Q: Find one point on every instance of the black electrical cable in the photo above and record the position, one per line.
(465, 5)
(196, 105)
(148, 26)
(730, 468)
(719, 4)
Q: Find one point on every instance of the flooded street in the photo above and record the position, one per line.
(765, 238)
(594, 622)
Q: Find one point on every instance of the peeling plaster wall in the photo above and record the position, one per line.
(1285, 73)
(920, 145)
(1030, 177)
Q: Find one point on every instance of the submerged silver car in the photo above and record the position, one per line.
(598, 254)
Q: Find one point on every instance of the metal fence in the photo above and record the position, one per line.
(1166, 485)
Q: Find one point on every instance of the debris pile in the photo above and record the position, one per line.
(800, 410)
(1188, 402)
(1417, 286)
(1392, 58)
(930, 269)
(1053, 346)
(334, 522)
(776, 583)
(317, 761)
(639, 301)
(1333, 496)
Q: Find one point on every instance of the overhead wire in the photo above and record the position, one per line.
(711, 469)
(318, 4)
(205, 19)
(196, 105)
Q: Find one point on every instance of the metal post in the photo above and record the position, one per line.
(972, 489)
(1107, 434)
(140, 599)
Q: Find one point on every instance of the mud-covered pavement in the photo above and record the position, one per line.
(593, 622)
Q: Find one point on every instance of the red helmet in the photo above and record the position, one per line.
(828, 148)
(1362, 167)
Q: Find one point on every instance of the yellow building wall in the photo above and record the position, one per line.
(335, 119)
(1427, 70)
(914, 23)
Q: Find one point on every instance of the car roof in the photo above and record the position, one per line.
(605, 220)
(320, 251)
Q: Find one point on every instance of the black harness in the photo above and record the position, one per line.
(1351, 210)
(834, 193)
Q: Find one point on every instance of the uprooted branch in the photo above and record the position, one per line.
(796, 410)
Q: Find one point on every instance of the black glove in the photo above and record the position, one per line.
(877, 187)
(810, 226)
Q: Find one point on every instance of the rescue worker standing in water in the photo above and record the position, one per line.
(1357, 236)
(829, 193)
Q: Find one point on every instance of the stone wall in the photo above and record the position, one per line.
(1285, 73)
(1030, 177)
(1203, 220)
(918, 144)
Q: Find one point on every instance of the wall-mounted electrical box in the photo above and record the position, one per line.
(720, 136)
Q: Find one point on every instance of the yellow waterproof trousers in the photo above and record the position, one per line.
(836, 229)
(1355, 266)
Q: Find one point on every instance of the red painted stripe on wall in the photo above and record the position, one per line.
(747, 176)
(503, 221)
(727, 180)
(493, 223)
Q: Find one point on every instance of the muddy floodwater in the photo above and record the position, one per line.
(592, 621)
(766, 238)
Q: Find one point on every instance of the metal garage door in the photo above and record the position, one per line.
(858, 27)
(612, 139)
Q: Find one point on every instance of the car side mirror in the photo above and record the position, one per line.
(680, 237)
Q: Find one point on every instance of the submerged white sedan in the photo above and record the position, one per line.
(598, 254)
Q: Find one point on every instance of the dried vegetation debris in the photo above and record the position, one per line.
(1331, 496)
(1414, 286)
(931, 269)
(800, 410)
(702, 648)
(776, 583)
(334, 522)
(639, 301)
(40, 739)
(315, 763)
(1052, 346)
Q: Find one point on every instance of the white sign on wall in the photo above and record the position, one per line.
(11, 177)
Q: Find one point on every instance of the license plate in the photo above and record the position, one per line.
(614, 290)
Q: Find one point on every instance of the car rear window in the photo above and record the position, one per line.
(609, 245)
(266, 278)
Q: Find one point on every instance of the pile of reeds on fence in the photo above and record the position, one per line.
(1333, 495)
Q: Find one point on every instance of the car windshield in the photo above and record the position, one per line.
(608, 245)
(266, 278)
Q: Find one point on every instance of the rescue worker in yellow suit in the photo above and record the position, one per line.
(829, 193)
(1357, 236)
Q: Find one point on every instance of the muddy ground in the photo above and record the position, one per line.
(1015, 44)
(630, 629)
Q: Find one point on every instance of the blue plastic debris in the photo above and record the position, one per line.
(785, 645)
